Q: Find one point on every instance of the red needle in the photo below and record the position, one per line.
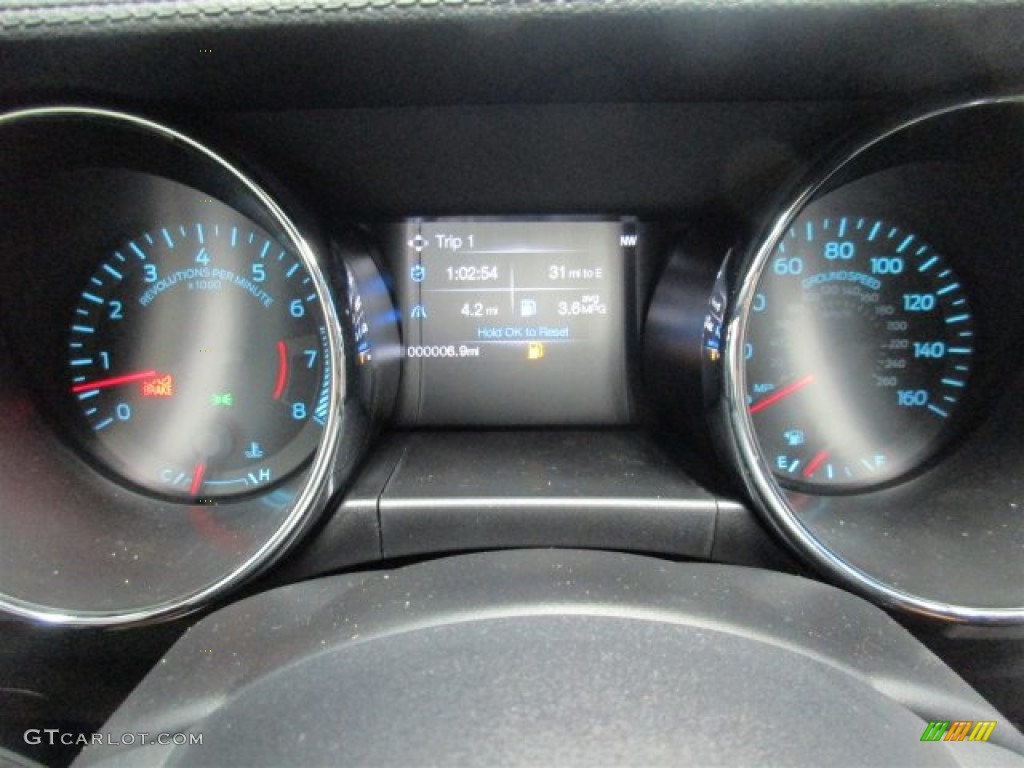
(816, 462)
(197, 479)
(113, 381)
(774, 397)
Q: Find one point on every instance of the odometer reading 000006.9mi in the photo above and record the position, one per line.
(199, 362)
(857, 351)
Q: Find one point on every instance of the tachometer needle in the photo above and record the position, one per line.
(197, 479)
(813, 464)
(113, 381)
(774, 397)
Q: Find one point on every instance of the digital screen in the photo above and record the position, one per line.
(514, 322)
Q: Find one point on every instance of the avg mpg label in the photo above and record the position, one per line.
(514, 322)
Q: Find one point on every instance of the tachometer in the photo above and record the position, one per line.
(197, 360)
(858, 352)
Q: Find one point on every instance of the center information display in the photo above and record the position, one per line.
(514, 322)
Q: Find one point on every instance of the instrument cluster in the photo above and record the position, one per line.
(200, 364)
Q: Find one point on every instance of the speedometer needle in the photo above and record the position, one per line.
(774, 397)
(113, 381)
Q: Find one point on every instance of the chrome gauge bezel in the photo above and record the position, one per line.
(739, 437)
(316, 482)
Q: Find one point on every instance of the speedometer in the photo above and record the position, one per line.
(857, 353)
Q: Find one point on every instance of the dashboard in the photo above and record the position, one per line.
(346, 342)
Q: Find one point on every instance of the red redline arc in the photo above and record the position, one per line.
(282, 369)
